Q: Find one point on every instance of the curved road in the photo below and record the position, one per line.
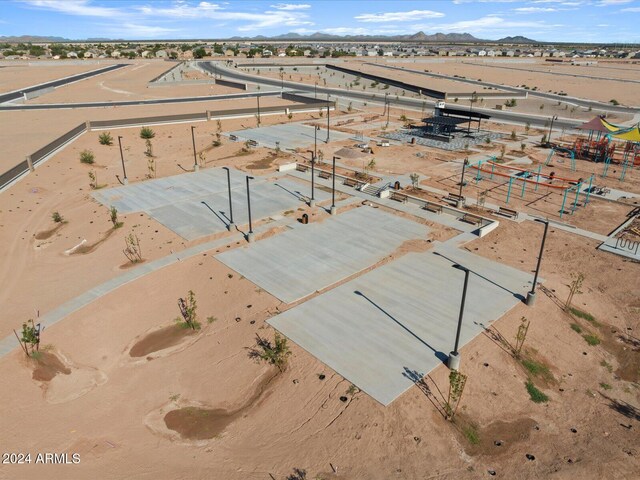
(520, 118)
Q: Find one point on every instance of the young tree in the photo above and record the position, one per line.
(276, 353)
(457, 381)
(133, 252)
(149, 148)
(56, 217)
(105, 139)
(30, 337)
(93, 179)
(415, 178)
(188, 309)
(521, 336)
(574, 287)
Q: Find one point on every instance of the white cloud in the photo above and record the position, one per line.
(535, 9)
(74, 7)
(631, 9)
(608, 3)
(410, 16)
(291, 6)
(135, 31)
(488, 25)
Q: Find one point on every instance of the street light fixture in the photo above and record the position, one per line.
(460, 200)
(231, 224)
(333, 187)
(454, 356)
(124, 171)
(531, 296)
(315, 141)
(195, 159)
(250, 234)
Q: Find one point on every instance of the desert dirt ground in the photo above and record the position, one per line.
(201, 404)
(14, 76)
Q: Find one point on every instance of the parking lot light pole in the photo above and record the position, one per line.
(250, 234)
(460, 201)
(231, 224)
(195, 159)
(531, 296)
(125, 180)
(454, 357)
(333, 187)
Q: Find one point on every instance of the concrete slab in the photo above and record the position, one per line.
(290, 135)
(402, 317)
(299, 262)
(195, 205)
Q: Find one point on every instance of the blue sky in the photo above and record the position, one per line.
(545, 20)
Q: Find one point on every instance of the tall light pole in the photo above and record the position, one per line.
(315, 140)
(124, 171)
(454, 357)
(231, 224)
(554, 118)
(387, 106)
(460, 200)
(195, 159)
(333, 187)
(282, 81)
(315, 90)
(471, 101)
(258, 98)
(250, 234)
(531, 296)
(312, 201)
(327, 118)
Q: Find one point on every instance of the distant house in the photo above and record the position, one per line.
(162, 54)
(267, 53)
(72, 55)
(229, 53)
(387, 53)
(372, 53)
(89, 55)
(145, 54)
(482, 53)
(116, 54)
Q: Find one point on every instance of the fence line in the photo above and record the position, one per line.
(42, 153)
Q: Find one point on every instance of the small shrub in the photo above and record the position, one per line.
(133, 251)
(591, 339)
(605, 386)
(536, 368)
(276, 353)
(87, 156)
(188, 309)
(522, 147)
(536, 395)
(211, 319)
(471, 434)
(146, 133)
(606, 365)
(113, 216)
(105, 139)
(576, 328)
(56, 217)
(613, 101)
(513, 135)
(584, 315)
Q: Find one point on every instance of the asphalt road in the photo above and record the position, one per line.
(515, 117)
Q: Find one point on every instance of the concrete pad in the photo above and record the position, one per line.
(194, 205)
(308, 258)
(379, 329)
(290, 135)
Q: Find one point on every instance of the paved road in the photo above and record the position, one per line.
(7, 97)
(417, 104)
(158, 101)
(606, 107)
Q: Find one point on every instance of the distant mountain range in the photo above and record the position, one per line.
(318, 36)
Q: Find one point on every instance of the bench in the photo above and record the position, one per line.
(398, 197)
(350, 182)
(472, 219)
(452, 197)
(324, 174)
(433, 207)
(507, 212)
(302, 168)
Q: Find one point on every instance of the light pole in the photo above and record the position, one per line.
(195, 159)
(327, 118)
(531, 296)
(124, 171)
(258, 98)
(231, 224)
(454, 357)
(315, 90)
(554, 118)
(471, 101)
(282, 81)
(460, 200)
(315, 140)
(333, 187)
(312, 201)
(250, 234)
(387, 106)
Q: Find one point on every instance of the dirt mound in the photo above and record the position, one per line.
(349, 153)
(47, 367)
(160, 339)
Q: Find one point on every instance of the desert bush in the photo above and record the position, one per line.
(87, 156)
(536, 395)
(276, 353)
(188, 309)
(146, 133)
(133, 252)
(56, 217)
(113, 216)
(29, 338)
(105, 139)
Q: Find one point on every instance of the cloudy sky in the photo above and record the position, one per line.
(545, 20)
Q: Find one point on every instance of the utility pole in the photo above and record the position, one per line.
(124, 171)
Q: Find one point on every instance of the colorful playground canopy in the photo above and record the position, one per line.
(630, 135)
(599, 124)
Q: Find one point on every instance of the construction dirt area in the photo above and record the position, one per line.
(284, 293)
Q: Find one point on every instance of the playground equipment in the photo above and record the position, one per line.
(535, 178)
(569, 152)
